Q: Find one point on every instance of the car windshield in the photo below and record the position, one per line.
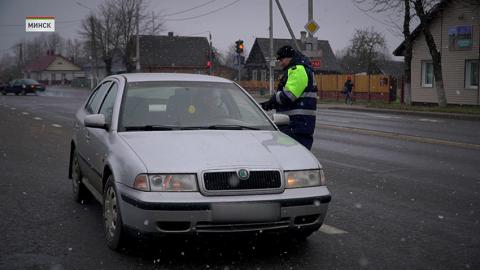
(30, 81)
(189, 105)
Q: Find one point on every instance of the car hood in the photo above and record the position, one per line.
(196, 151)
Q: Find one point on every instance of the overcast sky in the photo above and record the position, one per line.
(245, 19)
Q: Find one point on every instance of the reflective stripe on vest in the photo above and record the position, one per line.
(309, 94)
(300, 112)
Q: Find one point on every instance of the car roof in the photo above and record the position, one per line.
(141, 77)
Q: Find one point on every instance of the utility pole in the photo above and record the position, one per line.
(20, 55)
(288, 26)
(93, 53)
(271, 63)
(210, 56)
(310, 14)
(138, 38)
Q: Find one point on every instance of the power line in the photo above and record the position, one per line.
(189, 9)
(205, 14)
(194, 34)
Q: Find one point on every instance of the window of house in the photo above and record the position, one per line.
(427, 74)
(471, 74)
(308, 46)
(263, 75)
(254, 75)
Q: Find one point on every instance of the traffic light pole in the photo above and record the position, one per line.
(239, 67)
(271, 65)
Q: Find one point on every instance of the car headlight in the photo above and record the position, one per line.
(308, 178)
(166, 182)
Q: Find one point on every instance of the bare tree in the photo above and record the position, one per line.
(436, 55)
(410, 16)
(367, 48)
(115, 26)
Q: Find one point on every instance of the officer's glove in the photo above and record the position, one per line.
(266, 105)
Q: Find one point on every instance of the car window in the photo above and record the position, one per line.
(108, 103)
(94, 103)
(190, 104)
(30, 81)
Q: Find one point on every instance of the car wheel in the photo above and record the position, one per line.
(80, 192)
(3, 93)
(115, 233)
(23, 93)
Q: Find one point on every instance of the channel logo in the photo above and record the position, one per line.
(40, 24)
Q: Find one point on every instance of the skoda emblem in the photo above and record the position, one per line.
(243, 174)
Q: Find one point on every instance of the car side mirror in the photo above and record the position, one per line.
(95, 121)
(281, 119)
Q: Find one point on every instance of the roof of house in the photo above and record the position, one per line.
(393, 68)
(41, 63)
(399, 51)
(173, 51)
(329, 62)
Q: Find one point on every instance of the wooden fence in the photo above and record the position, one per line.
(366, 87)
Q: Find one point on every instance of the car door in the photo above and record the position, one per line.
(100, 138)
(14, 86)
(80, 133)
(88, 152)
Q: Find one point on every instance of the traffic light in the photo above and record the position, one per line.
(239, 46)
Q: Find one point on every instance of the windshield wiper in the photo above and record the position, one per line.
(150, 128)
(221, 127)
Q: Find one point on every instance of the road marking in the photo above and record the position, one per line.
(56, 125)
(348, 165)
(392, 135)
(428, 120)
(12, 108)
(25, 113)
(331, 230)
(37, 118)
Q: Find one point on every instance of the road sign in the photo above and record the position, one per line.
(312, 27)
(316, 64)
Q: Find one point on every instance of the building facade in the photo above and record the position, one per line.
(318, 51)
(52, 69)
(455, 26)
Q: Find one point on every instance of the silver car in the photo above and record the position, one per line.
(184, 154)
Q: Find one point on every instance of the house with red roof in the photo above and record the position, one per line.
(53, 69)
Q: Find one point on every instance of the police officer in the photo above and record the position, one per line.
(296, 96)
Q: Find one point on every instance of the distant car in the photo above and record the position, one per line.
(22, 87)
(187, 154)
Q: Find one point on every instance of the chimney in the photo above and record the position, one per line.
(170, 34)
(303, 36)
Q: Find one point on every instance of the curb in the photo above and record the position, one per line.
(456, 116)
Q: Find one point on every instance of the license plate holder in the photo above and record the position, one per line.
(244, 212)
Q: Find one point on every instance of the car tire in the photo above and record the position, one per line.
(115, 234)
(80, 192)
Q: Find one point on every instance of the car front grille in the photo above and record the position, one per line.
(229, 181)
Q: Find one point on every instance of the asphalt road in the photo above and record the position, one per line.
(398, 202)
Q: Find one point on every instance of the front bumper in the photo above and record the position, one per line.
(192, 212)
